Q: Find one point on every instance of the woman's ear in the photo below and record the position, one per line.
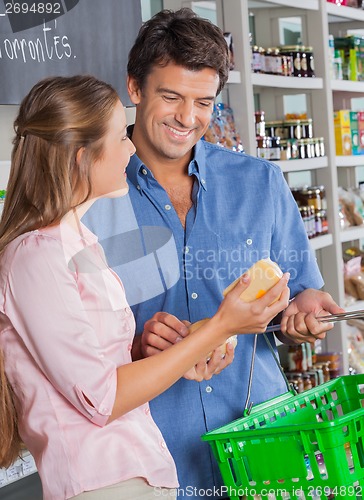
(133, 90)
(79, 155)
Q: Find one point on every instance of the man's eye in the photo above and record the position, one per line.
(169, 98)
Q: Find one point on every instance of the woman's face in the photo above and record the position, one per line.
(108, 173)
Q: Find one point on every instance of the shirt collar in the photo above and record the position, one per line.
(197, 165)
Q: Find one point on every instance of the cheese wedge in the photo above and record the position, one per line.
(233, 339)
(264, 274)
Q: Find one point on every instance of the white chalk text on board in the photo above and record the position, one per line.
(47, 46)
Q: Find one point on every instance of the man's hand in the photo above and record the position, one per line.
(205, 369)
(299, 323)
(163, 330)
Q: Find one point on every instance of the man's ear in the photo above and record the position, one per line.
(133, 90)
(79, 155)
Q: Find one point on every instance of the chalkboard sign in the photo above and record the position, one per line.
(65, 37)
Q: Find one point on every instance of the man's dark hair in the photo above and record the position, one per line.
(182, 38)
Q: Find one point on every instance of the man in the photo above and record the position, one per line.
(197, 216)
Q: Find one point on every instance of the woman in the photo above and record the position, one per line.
(71, 392)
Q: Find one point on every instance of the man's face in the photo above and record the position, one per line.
(173, 111)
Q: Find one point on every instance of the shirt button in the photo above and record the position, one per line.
(249, 241)
(138, 187)
(163, 445)
(167, 207)
(203, 181)
(105, 410)
(144, 171)
(209, 389)
(147, 411)
(194, 295)
(129, 347)
(187, 249)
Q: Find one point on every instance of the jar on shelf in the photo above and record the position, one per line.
(318, 222)
(307, 128)
(310, 62)
(275, 129)
(269, 61)
(293, 129)
(294, 148)
(326, 371)
(307, 384)
(302, 154)
(259, 123)
(263, 147)
(294, 52)
(287, 64)
(275, 150)
(285, 148)
(256, 60)
(278, 69)
(296, 380)
(303, 56)
(322, 146)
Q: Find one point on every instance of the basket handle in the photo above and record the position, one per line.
(249, 404)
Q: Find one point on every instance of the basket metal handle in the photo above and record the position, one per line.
(248, 403)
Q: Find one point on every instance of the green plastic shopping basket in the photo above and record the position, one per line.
(276, 447)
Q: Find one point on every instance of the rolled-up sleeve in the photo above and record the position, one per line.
(45, 305)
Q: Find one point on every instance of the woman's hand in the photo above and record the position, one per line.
(236, 316)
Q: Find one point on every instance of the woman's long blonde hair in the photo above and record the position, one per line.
(59, 116)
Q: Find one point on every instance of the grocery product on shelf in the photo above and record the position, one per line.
(222, 129)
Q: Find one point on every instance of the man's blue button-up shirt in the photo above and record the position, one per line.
(242, 211)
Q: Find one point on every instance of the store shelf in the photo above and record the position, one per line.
(286, 82)
(349, 161)
(347, 86)
(321, 241)
(352, 233)
(298, 4)
(358, 305)
(343, 14)
(303, 165)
